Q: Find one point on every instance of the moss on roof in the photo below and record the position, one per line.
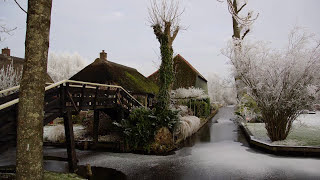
(107, 72)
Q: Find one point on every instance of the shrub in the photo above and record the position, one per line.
(142, 125)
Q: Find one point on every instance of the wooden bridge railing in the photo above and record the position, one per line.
(62, 99)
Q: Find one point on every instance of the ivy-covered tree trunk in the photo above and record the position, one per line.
(166, 68)
(166, 75)
(31, 114)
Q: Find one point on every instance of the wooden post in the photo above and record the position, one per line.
(96, 126)
(146, 100)
(68, 127)
(82, 97)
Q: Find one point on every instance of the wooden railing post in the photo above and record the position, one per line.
(95, 98)
(82, 97)
(68, 127)
(62, 99)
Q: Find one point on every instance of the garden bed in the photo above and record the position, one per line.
(304, 138)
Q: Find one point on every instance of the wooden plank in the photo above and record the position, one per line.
(72, 158)
(73, 103)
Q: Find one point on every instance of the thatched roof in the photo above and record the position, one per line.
(106, 72)
(17, 63)
(185, 74)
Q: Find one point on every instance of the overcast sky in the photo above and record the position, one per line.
(121, 28)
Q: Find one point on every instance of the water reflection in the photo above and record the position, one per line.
(99, 173)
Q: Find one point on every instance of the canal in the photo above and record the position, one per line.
(217, 151)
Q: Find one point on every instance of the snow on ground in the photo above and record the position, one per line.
(310, 120)
(55, 133)
(305, 131)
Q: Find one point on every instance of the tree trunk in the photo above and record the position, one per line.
(236, 30)
(31, 114)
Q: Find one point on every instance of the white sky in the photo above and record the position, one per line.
(122, 30)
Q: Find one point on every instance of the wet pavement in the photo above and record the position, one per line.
(217, 151)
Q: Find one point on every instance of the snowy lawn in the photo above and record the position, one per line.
(55, 133)
(305, 131)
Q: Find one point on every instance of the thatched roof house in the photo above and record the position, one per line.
(185, 75)
(17, 63)
(104, 71)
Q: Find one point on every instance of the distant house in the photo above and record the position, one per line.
(104, 71)
(6, 60)
(185, 75)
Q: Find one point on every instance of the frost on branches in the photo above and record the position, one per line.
(63, 66)
(221, 91)
(9, 77)
(282, 82)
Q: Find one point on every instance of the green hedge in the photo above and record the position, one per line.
(201, 108)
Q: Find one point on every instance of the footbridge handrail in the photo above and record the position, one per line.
(91, 85)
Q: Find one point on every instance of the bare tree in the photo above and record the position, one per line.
(241, 24)
(165, 20)
(282, 83)
(30, 113)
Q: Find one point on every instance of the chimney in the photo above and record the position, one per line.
(6, 51)
(103, 55)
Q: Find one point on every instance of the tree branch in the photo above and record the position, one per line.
(20, 7)
(241, 8)
(175, 33)
(245, 33)
(157, 31)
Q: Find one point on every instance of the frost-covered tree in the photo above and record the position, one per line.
(165, 20)
(241, 25)
(9, 77)
(282, 82)
(65, 65)
(220, 90)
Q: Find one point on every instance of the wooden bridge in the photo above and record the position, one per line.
(63, 99)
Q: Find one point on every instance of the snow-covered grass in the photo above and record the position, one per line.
(56, 133)
(305, 131)
(187, 126)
